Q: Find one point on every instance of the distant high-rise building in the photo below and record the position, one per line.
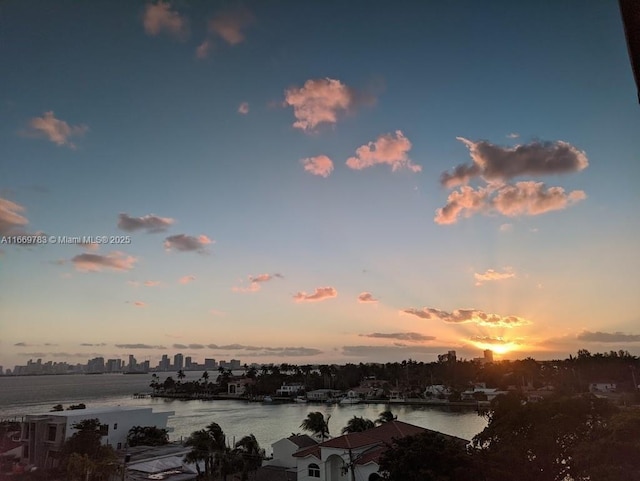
(209, 363)
(178, 362)
(187, 362)
(133, 364)
(234, 364)
(450, 356)
(488, 355)
(95, 365)
(165, 363)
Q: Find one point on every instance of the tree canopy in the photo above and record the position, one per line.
(316, 423)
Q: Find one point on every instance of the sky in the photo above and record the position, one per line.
(314, 182)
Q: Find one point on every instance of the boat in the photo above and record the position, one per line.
(267, 399)
(350, 398)
(300, 399)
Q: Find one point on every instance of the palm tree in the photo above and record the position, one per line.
(315, 423)
(358, 424)
(207, 445)
(385, 417)
(251, 454)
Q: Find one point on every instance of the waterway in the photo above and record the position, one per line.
(22, 395)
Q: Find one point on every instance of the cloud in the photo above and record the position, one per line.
(388, 149)
(159, 18)
(21, 344)
(506, 227)
(463, 316)
(320, 294)
(497, 163)
(139, 346)
(140, 304)
(513, 135)
(189, 346)
(230, 24)
(11, 222)
(243, 108)
(382, 352)
(319, 101)
(187, 279)
(204, 49)
(57, 131)
(401, 336)
(151, 283)
(491, 275)
(186, 243)
(498, 341)
(89, 344)
(319, 165)
(266, 351)
(598, 336)
(366, 297)
(523, 198)
(117, 261)
(150, 223)
(256, 281)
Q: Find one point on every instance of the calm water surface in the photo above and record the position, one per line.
(268, 422)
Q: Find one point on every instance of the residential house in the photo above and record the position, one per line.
(290, 389)
(238, 385)
(43, 435)
(284, 450)
(323, 394)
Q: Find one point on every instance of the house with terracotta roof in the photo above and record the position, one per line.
(333, 460)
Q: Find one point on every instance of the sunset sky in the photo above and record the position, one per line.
(312, 182)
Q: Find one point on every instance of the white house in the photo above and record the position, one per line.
(290, 389)
(284, 450)
(44, 434)
(335, 459)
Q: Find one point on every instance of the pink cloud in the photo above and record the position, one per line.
(366, 297)
(10, 219)
(463, 316)
(391, 149)
(229, 25)
(186, 243)
(492, 275)
(159, 18)
(318, 101)
(187, 279)
(150, 223)
(117, 261)
(523, 198)
(243, 108)
(57, 131)
(139, 304)
(255, 282)
(203, 50)
(319, 165)
(320, 294)
(151, 283)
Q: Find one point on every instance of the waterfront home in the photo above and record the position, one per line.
(237, 386)
(284, 450)
(291, 389)
(43, 435)
(321, 395)
(354, 454)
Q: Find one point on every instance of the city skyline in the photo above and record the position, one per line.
(369, 184)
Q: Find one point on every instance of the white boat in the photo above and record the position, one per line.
(300, 399)
(267, 399)
(350, 398)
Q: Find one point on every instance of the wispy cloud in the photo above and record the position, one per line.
(139, 304)
(89, 344)
(150, 223)
(204, 49)
(319, 101)
(229, 25)
(391, 149)
(396, 350)
(255, 282)
(498, 341)
(151, 283)
(319, 165)
(513, 135)
(117, 261)
(599, 336)
(497, 163)
(491, 275)
(366, 297)
(189, 346)
(160, 18)
(186, 243)
(139, 346)
(243, 108)
(401, 336)
(57, 131)
(463, 316)
(256, 350)
(320, 294)
(523, 198)
(187, 279)
(11, 220)
(506, 227)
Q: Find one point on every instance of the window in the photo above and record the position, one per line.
(314, 470)
(119, 446)
(51, 433)
(115, 426)
(104, 429)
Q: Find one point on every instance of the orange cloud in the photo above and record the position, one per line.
(187, 279)
(229, 25)
(57, 131)
(491, 275)
(319, 165)
(318, 101)
(151, 283)
(255, 282)
(159, 18)
(523, 198)
(117, 261)
(366, 297)
(10, 218)
(140, 304)
(388, 149)
(320, 294)
(463, 316)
